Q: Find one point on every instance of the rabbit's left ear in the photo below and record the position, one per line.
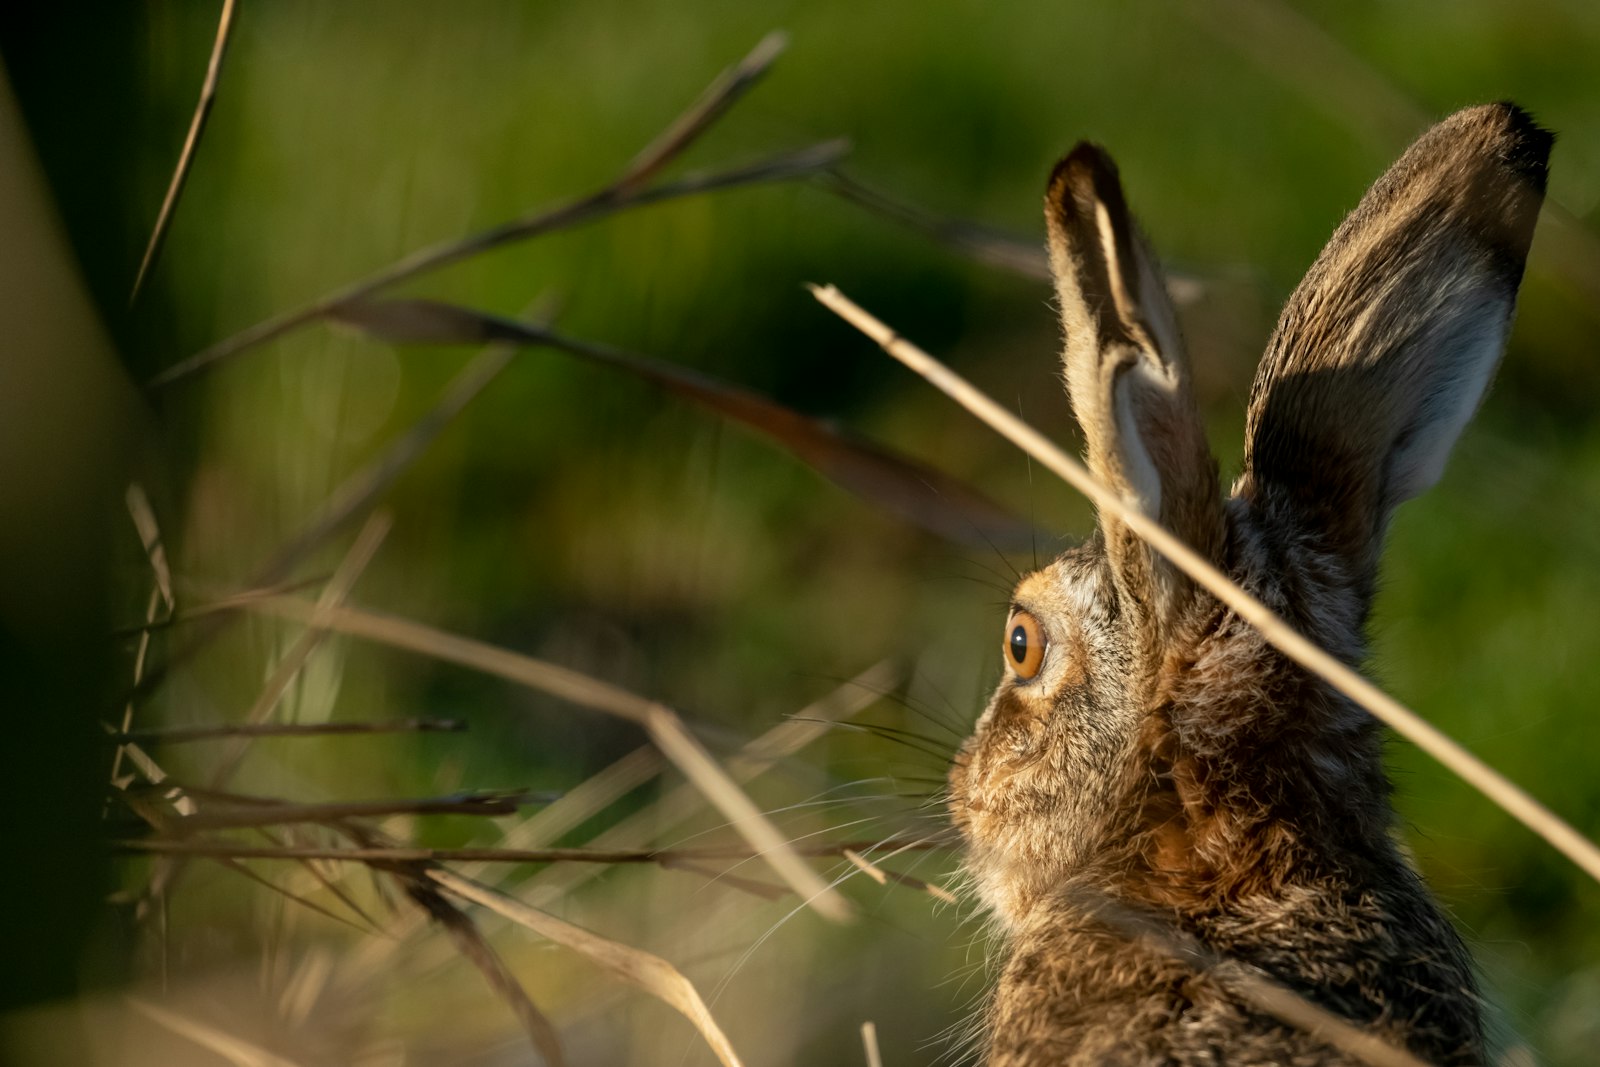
(1386, 348)
(1129, 382)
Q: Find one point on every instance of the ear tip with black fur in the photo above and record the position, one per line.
(1525, 145)
(1081, 174)
(1499, 134)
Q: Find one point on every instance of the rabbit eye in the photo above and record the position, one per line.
(1024, 645)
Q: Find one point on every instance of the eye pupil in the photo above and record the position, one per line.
(1024, 643)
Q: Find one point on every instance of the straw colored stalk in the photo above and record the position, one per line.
(651, 973)
(1285, 638)
(663, 725)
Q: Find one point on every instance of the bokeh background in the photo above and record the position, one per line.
(582, 516)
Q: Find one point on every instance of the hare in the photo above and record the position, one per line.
(1148, 761)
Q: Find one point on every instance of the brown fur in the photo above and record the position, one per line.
(1166, 762)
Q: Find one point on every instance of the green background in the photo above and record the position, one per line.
(584, 517)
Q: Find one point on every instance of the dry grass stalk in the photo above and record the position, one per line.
(1252, 985)
(470, 942)
(165, 875)
(982, 244)
(626, 191)
(191, 141)
(578, 804)
(306, 902)
(628, 837)
(1280, 634)
(698, 765)
(717, 98)
(865, 866)
(152, 773)
(305, 986)
(1289, 1007)
(231, 1047)
(651, 973)
(869, 1043)
(333, 594)
(663, 724)
(354, 496)
(169, 735)
(161, 595)
(492, 855)
(883, 877)
(778, 743)
(250, 812)
(916, 492)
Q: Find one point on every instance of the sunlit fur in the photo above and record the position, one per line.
(1166, 765)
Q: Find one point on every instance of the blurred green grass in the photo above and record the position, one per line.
(583, 517)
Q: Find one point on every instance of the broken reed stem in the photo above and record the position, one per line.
(661, 722)
(1286, 639)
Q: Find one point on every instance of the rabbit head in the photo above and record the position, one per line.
(1143, 736)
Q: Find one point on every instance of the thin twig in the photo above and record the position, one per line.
(239, 868)
(191, 141)
(717, 98)
(413, 854)
(229, 604)
(282, 814)
(1280, 634)
(171, 735)
(981, 243)
(471, 943)
(322, 879)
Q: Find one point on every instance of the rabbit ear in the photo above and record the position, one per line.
(1385, 350)
(1128, 380)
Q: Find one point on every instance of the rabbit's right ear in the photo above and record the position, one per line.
(1385, 350)
(1129, 384)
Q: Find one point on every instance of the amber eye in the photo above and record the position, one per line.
(1024, 644)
